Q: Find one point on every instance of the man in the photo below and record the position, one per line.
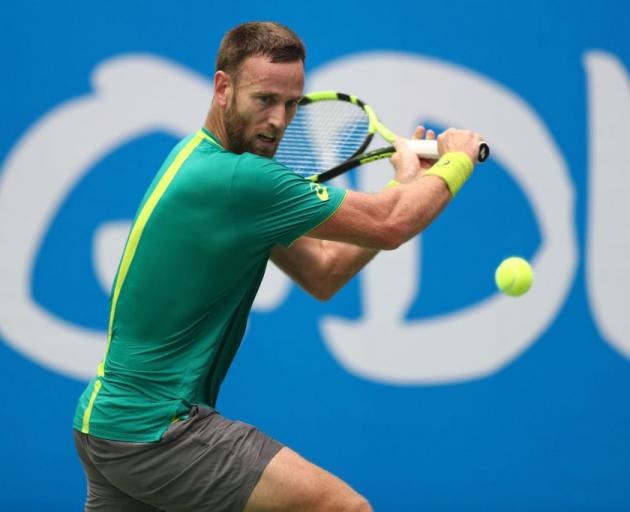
(218, 209)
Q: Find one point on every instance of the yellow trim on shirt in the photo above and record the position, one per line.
(88, 411)
(130, 251)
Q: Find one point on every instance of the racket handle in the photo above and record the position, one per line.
(429, 149)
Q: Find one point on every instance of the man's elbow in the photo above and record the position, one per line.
(323, 295)
(392, 236)
(325, 287)
(323, 292)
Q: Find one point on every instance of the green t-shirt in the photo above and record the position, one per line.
(192, 265)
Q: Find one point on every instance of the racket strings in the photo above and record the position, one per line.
(322, 135)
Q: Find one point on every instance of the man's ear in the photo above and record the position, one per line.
(223, 88)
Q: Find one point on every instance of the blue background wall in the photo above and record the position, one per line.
(548, 429)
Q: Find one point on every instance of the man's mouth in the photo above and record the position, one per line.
(267, 139)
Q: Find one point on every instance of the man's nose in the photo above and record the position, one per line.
(278, 117)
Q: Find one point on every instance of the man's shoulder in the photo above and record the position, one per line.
(247, 161)
(250, 167)
(262, 163)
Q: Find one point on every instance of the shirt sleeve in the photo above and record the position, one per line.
(276, 205)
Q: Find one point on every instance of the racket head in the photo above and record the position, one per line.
(329, 129)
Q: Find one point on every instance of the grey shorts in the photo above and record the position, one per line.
(203, 463)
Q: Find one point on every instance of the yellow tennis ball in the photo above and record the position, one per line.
(514, 276)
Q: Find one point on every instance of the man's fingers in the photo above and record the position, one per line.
(397, 142)
(418, 132)
(421, 133)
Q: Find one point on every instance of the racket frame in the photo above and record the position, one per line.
(425, 148)
(359, 157)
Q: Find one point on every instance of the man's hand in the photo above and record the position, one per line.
(425, 163)
(407, 164)
(464, 141)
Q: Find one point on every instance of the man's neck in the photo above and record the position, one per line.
(215, 125)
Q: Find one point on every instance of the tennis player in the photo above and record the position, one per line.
(145, 427)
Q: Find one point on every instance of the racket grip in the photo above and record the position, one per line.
(429, 149)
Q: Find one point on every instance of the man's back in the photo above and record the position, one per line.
(190, 271)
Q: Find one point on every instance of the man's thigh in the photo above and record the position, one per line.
(204, 463)
(291, 483)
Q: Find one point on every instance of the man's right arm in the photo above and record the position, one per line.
(389, 218)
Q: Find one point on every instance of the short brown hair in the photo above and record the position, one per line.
(268, 38)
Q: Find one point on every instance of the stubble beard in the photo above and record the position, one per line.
(235, 128)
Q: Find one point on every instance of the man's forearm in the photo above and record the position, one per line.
(344, 262)
(321, 267)
(415, 205)
(389, 218)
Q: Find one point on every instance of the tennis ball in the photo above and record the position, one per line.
(514, 276)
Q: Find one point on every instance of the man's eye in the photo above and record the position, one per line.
(265, 100)
(292, 104)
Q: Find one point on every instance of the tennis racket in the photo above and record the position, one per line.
(330, 133)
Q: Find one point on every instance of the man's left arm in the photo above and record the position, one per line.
(321, 267)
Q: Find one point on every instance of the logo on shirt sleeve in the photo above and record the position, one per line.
(321, 191)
